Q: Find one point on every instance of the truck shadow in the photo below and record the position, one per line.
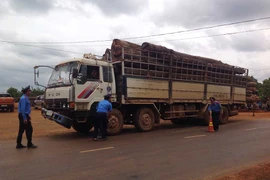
(163, 127)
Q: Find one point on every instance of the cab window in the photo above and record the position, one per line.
(92, 73)
(88, 73)
(107, 74)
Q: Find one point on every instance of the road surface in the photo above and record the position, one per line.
(168, 152)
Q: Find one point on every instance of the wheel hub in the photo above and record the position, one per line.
(146, 119)
(113, 122)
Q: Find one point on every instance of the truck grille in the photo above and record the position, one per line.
(56, 103)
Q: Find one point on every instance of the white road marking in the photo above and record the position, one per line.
(251, 129)
(99, 149)
(196, 136)
(179, 131)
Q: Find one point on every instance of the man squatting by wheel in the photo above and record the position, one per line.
(214, 109)
(24, 110)
(104, 108)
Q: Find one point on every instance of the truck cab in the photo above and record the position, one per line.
(71, 98)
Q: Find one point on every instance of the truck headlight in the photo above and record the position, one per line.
(64, 105)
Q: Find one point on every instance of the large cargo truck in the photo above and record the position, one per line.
(147, 83)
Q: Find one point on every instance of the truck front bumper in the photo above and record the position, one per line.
(58, 118)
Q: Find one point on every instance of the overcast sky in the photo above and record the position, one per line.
(87, 20)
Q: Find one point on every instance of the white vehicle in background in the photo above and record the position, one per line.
(39, 102)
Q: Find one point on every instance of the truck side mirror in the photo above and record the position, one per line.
(75, 73)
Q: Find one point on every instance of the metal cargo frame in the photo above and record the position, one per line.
(165, 66)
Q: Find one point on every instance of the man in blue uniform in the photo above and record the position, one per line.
(24, 110)
(104, 108)
(214, 109)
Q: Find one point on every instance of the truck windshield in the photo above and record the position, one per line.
(61, 74)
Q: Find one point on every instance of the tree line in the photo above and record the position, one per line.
(264, 89)
(14, 92)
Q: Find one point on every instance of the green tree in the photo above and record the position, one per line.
(265, 88)
(36, 91)
(14, 92)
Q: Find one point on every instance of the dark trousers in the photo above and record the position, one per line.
(100, 124)
(216, 120)
(25, 127)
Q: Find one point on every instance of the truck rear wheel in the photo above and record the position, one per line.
(206, 118)
(82, 127)
(224, 117)
(115, 122)
(144, 119)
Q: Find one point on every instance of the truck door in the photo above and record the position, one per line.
(88, 87)
(107, 80)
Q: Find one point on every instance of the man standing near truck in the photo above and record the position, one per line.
(103, 112)
(214, 109)
(24, 110)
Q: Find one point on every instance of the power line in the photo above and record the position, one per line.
(259, 70)
(215, 35)
(147, 36)
(190, 38)
(20, 44)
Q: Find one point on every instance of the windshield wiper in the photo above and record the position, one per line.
(59, 84)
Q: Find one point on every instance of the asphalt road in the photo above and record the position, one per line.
(168, 152)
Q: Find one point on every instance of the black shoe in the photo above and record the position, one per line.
(31, 146)
(103, 139)
(20, 146)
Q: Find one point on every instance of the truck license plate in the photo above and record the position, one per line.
(49, 113)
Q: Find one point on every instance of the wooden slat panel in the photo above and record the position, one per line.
(219, 92)
(239, 94)
(147, 88)
(183, 90)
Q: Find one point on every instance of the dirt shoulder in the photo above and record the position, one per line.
(9, 125)
(259, 172)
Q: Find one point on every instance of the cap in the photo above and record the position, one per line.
(24, 90)
(212, 98)
(108, 96)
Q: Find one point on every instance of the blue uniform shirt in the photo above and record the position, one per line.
(215, 107)
(24, 106)
(104, 106)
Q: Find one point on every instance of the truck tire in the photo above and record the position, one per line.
(82, 127)
(224, 117)
(144, 119)
(206, 119)
(115, 123)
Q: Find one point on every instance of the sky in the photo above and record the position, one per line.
(29, 22)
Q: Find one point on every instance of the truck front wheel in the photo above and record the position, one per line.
(144, 119)
(115, 122)
(82, 127)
